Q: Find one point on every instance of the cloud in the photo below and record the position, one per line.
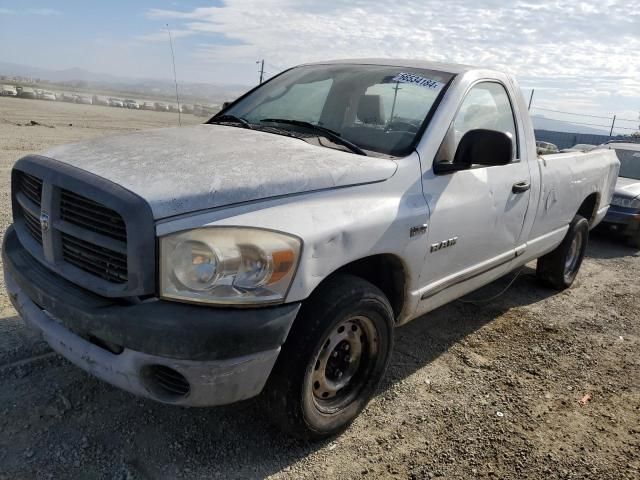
(45, 12)
(162, 36)
(589, 46)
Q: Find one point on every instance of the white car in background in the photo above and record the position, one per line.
(546, 148)
(128, 103)
(84, 99)
(115, 102)
(100, 100)
(161, 107)
(580, 147)
(26, 92)
(47, 95)
(8, 91)
(624, 215)
(67, 97)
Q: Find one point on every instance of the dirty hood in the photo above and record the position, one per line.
(182, 170)
(628, 187)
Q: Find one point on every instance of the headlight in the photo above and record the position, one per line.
(626, 202)
(239, 266)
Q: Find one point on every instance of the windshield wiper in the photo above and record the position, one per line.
(228, 118)
(326, 132)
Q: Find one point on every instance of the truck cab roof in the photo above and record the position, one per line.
(452, 68)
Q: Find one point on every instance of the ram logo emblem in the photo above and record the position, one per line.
(44, 221)
(444, 244)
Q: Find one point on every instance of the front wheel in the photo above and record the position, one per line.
(333, 360)
(560, 267)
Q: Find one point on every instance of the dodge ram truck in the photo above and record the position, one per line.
(273, 250)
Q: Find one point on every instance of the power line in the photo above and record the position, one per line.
(627, 120)
(570, 113)
(585, 115)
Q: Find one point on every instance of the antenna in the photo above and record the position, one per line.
(175, 78)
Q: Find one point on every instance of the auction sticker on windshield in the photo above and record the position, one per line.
(418, 80)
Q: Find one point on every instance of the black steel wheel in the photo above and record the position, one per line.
(560, 267)
(333, 360)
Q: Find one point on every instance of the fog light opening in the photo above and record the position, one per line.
(165, 383)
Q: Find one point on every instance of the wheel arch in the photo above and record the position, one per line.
(386, 271)
(589, 207)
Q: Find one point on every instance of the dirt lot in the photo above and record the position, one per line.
(486, 390)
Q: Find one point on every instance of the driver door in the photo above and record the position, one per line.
(477, 214)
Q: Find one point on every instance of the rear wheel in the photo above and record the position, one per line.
(560, 267)
(334, 358)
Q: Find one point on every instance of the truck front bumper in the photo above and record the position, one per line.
(174, 353)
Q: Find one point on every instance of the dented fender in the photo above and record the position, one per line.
(339, 226)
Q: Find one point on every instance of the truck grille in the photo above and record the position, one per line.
(90, 215)
(88, 230)
(33, 225)
(31, 187)
(100, 261)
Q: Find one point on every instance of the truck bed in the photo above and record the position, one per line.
(559, 198)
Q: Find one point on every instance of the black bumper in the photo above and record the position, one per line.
(156, 327)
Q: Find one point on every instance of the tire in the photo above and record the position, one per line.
(318, 385)
(560, 267)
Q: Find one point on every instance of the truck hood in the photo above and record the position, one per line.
(182, 170)
(627, 187)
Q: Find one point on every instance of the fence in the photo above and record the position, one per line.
(567, 140)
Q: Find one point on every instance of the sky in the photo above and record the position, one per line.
(580, 56)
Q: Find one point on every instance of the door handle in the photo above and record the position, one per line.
(520, 187)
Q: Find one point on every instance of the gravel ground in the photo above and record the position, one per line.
(486, 390)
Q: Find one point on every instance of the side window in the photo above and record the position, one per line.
(486, 106)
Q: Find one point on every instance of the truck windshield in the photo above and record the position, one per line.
(629, 163)
(371, 107)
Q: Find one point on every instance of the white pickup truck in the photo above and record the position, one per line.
(274, 249)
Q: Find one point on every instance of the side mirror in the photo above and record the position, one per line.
(225, 105)
(479, 147)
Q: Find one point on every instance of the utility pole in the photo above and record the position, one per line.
(261, 62)
(531, 98)
(613, 123)
(395, 97)
(175, 77)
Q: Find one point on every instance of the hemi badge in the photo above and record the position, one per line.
(419, 230)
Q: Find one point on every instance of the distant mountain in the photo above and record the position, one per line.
(66, 75)
(541, 122)
(106, 81)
